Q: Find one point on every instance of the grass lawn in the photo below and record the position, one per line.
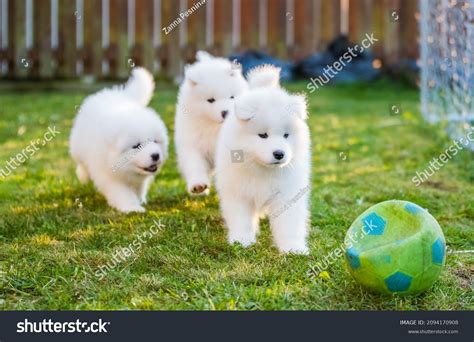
(55, 233)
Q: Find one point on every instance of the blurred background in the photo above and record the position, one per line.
(103, 39)
(425, 44)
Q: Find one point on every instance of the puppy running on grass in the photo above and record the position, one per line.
(206, 98)
(270, 177)
(119, 143)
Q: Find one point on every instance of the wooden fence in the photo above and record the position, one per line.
(46, 39)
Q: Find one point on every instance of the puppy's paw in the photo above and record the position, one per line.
(294, 248)
(131, 209)
(199, 189)
(245, 241)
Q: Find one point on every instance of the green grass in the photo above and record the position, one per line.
(55, 233)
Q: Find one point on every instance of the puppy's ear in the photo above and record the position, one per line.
(244, 112)
(191, 75)
(298, 106)
(203, 56)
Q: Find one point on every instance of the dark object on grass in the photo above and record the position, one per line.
(251, 58)
(406, 71)
(348, 63)
(354, 64)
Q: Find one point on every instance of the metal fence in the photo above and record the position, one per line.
(50, 39)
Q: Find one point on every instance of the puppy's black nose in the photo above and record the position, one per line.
(224, 113)
(155, 156)
(278, 154)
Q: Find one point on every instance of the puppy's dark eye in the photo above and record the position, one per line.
(263, 135)
(232, 97)
(286, 135)
(137, 146)
(211, 100)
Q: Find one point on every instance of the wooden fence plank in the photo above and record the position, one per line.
(236, 15)
(272, 39)
(67, 53)
(223, 25)
(196, 32)
(1, 24)
(196, 28)
(360, 19)
(309, 27)
(144, 32)
(217, 49)
(392, 23)
(18, 39)
(9, 52)
(330, 20)
(409, 29)
(355, 19)
(210, 24)
(379, 14)
(336, 17)
(2, 52)
(316, 30)
(121, 61)
(175, 56)
(92, 53)
(249, 24)
(42, 40)
(159, 49)
(166, 20)
(277, 17)
(301, 46)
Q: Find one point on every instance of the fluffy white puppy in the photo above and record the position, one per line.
(205, 99)
(263, 164)
(119, 143)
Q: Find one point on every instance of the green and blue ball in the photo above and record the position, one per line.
(395, 247)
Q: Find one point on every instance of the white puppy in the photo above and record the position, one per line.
(205, 99)
(119, 143)
(263, 164)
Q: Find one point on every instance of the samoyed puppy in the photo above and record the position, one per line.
(119, 143)
(206, 98)
(263, 164)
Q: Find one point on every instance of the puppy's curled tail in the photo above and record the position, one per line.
(140, 86)
(264, 76)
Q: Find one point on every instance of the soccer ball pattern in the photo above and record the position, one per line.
(395, 247)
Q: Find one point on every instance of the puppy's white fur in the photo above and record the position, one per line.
(205, 98)
(119, 143)
(260, 184)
